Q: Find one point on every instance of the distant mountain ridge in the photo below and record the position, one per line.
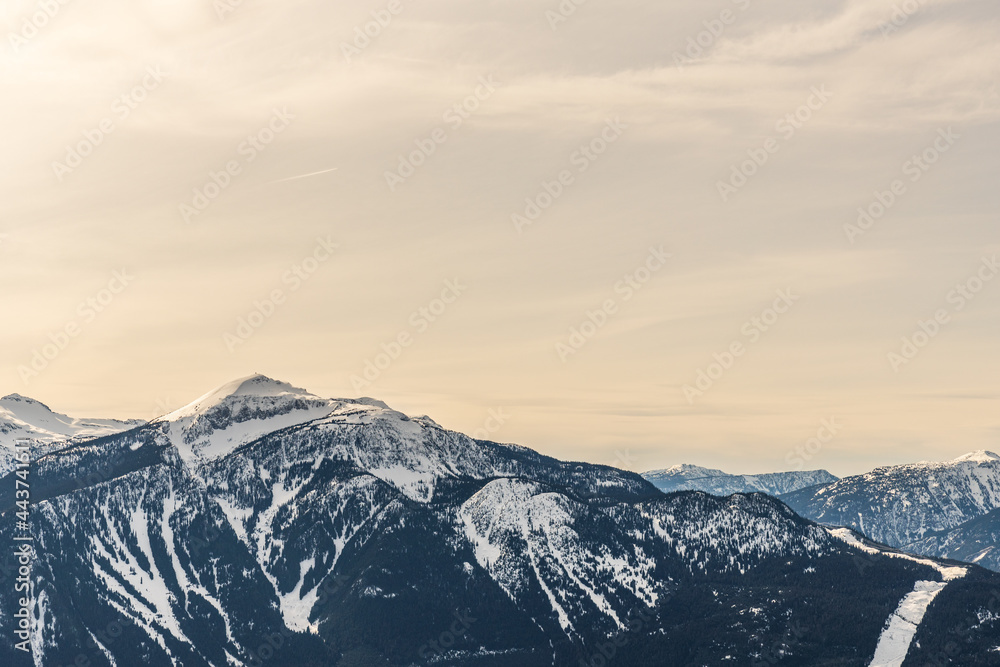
(933, 508)
(975, 541)
(23, 418)
(687, 477)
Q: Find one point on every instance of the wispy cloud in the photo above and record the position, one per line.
(688, 127)
(295, 178)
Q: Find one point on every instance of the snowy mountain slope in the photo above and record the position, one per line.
(144, 576)
(24, 418)
(687, 477)
(900, 505)
(365, 537)
(901, 628)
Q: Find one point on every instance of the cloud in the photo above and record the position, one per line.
(687, 129)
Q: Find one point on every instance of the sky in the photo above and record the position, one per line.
(746, 235)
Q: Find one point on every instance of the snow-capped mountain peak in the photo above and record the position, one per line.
(35, 413)
(23, 418)
(239, 412)
(251, 387)
(980, 456)
(372, 402)
(689, 469)
(16, 398)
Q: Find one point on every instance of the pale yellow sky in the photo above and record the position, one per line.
(479, 181)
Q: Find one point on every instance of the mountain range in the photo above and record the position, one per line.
(262, 524)
(949, 509)
(687, 477)
(943, 509)
(24, 418)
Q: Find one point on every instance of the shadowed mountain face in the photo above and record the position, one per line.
(264, 525)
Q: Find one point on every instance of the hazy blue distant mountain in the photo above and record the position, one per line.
(694, 478)
(263, 525)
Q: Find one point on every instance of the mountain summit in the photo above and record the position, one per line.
(980, 456)
(239, 412)
(23, 418)
(254, 386)
(39, 422)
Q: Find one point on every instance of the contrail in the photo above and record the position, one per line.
(315, 173)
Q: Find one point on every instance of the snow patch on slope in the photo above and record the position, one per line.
(895, 640)
(153, 607)
(186, 583)
(948, 573)
(296, 605)
(524, 535)
(901, 627)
